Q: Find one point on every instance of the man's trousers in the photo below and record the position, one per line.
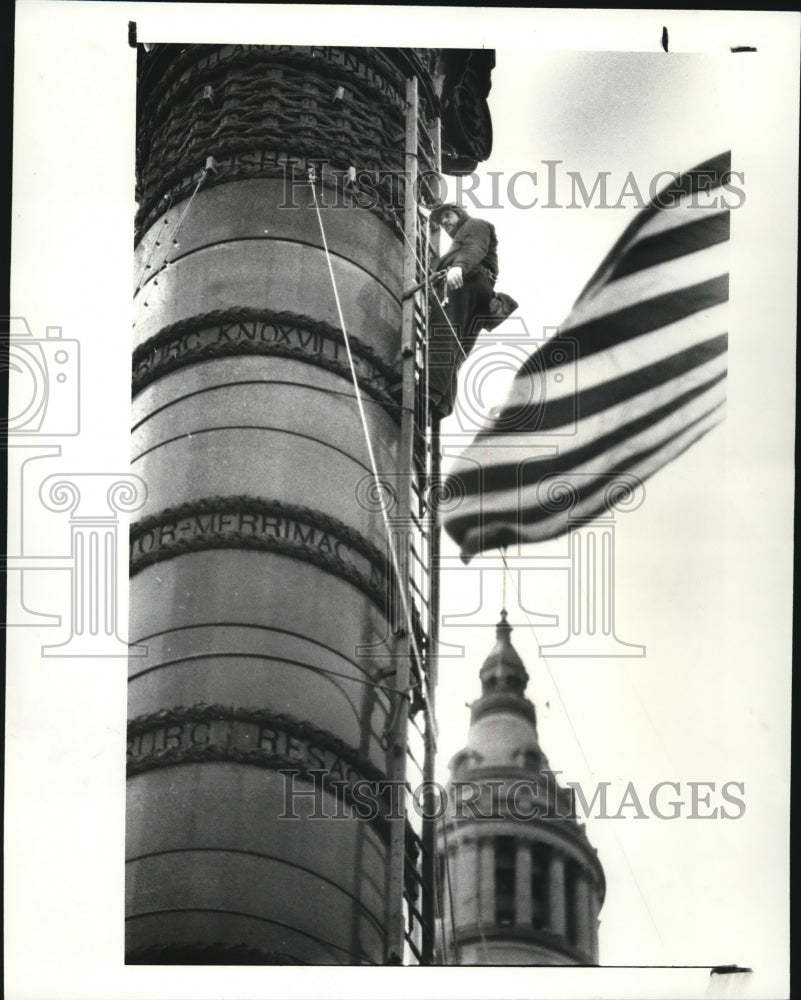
(453, 332)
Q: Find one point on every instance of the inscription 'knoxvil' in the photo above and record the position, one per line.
(251, 336)
(252, 524)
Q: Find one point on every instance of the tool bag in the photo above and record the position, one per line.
(501, 306)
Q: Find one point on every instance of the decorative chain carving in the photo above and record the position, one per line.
(307, 744)
(168, 69)
(247, 522)
(260, 505)
(259, 108)
(202, 712)
(254, 100)
(314, 754)
(261, 332)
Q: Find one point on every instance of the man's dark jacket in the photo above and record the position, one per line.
(473, 245)
(474, 248)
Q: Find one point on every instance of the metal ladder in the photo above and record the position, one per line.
(412, 896)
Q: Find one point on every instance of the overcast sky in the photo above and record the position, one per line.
(679, 892)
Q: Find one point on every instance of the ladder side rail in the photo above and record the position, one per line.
(429, 846)
(396, 932)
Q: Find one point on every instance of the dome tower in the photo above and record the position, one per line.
(526, 885)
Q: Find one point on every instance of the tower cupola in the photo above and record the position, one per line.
(503, 678)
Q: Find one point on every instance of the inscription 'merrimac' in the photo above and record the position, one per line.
(240, 521)
(250, 523)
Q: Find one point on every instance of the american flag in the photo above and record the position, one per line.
(635, 375)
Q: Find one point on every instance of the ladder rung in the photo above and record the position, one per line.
(415, 874)
(414, 861)
(415, 950)
(417, 913)
(414, 720)
(419, 559)
(418, 524)
(418, 512)
(416, 762)
(416, 839)
(422, 513)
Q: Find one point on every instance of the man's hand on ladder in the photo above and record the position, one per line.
(454, 277)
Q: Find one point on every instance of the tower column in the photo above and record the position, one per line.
(487, 881)
(466, 888)
(557, 917)
(523, 903)
(583, 916)
(593, 922)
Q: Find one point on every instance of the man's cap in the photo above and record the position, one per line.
(448, 206)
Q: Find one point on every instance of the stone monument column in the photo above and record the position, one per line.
(257, 578)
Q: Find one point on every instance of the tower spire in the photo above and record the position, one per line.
(503, 678)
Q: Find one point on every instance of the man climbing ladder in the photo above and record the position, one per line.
(463, 300)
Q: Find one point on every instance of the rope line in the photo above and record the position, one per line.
(547, 665)
(590, 770)
(369, 444)
(171, 236)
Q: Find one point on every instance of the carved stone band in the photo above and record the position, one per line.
(260, 332)
(242, 522)
(267, 99)
(368, 68)
(260, 738)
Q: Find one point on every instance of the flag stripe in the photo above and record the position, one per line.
(643, 317)
(636, 353)
(562, 412)
(598, 461)
(616, 393)
(706, 177)
(599, 368)
(670, 278)
(528, 470)
(502, 532)
(682, 213)
(525, 507)
(689, 238)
